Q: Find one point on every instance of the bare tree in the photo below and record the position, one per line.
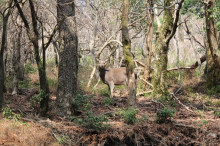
(16, 60)
(34, 36)
(5, 14)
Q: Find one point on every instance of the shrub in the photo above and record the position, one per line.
(164, 115)
(91, 121)
(129, 115)
(29, 69)
(25, 84)
(9, 114)
(81, 102)
(95, 122)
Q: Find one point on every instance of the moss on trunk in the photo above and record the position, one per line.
(149, 40)
(213, 74)
(161, 52)
(128, 56)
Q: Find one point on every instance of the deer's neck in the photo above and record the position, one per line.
(102, 72)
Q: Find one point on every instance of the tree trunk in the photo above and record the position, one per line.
(213, 74)
(164, 34)
(41, 63)
(16, 59)
(128, 57)
(68, 65)
(6, 15)
(149, 39)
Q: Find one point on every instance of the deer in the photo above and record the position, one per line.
(112, 76)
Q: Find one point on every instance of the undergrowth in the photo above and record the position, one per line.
(164, 115)
(89, 120)
(128, 115)
(30, 69)
(9, 114)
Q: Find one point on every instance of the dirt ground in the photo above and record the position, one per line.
(194, 123)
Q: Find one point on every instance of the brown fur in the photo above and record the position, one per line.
(114, 76)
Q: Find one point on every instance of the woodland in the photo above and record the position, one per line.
(109, 72)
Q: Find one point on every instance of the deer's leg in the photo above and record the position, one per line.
(111, 88)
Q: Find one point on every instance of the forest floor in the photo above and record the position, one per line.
(195, 122)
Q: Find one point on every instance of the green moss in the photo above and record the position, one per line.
(128, 57)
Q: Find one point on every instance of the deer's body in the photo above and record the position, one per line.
(114, 76)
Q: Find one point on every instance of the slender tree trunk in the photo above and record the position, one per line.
(128, 57)
(3, 48)
(92, 49)
(68, 65)
(149, 39)
(213, 74)
(41, 63)
(16, 59)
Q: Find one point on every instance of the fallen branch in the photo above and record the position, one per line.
(158, 102)
(171, 69)
(145, 92)
(140, 63)
(194, 66)
(186, 107)
(146, 82)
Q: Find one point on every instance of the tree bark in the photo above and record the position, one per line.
(6, 15)
(164, 34)
(213, 68)
(16, 60)
(68, 65)
(149, 39)
(128, 57)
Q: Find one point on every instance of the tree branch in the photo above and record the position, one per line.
(107, 43)
(57, 27)
(22, 15)
(189, 33)
(175, 22)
